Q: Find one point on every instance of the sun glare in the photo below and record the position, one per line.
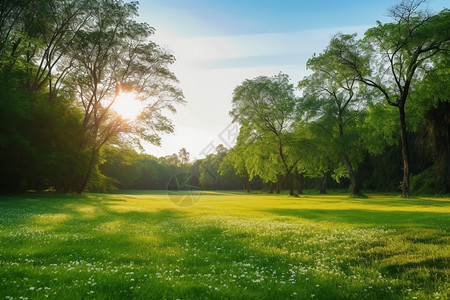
(127, 106)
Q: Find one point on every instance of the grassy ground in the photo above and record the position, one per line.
(228, 245)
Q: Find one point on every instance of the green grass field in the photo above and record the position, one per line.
(229, 245)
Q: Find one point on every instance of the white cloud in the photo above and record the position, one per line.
(189, 50)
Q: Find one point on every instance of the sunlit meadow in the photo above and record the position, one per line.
(229, 245)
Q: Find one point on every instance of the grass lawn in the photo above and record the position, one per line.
(229, 245)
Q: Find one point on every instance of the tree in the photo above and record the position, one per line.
(266, 106)
(214, 172)
(184, 156)
(391, 56)
(333, 99)
(112, 54)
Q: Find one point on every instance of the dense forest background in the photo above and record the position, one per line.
(372, 115)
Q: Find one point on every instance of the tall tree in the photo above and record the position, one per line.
(333, 99)
(391, 55)
(112, 54)
(266, 105)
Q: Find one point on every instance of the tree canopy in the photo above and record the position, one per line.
(66, 62)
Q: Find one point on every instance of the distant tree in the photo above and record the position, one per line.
(127, 169)
(214, 172)
(392, 55)
(171, 159)
(266, 105)
(183, 155)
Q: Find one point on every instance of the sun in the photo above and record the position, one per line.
(127, 106)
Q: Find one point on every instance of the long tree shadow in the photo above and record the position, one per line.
(402, 202)
(436, 220)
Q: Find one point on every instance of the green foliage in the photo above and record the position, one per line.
(215, 172)
(432, 89)
(264, 104)
(424, 183)
(62, 64)
(38, 140)
(392, 57)
(380, 128)
(98, 182)
(265, 107)
(335, 100)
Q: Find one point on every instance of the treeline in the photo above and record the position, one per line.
(63, 64)
(127, 169)
(130, 170)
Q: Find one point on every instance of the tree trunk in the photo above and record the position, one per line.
(85, 179)
(291, 184)
(447, 121)
(271, 188)
(356, 189)
(278, 187)
(247, 184)
(83, 183)
(405, 152)
(301, 181)
(323, 184)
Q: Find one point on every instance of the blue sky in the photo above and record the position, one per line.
(219, 44)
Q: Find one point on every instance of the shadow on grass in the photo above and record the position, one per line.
(370, 217)
(397, 201)
(164, 192)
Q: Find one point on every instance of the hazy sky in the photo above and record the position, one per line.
(218, 44)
